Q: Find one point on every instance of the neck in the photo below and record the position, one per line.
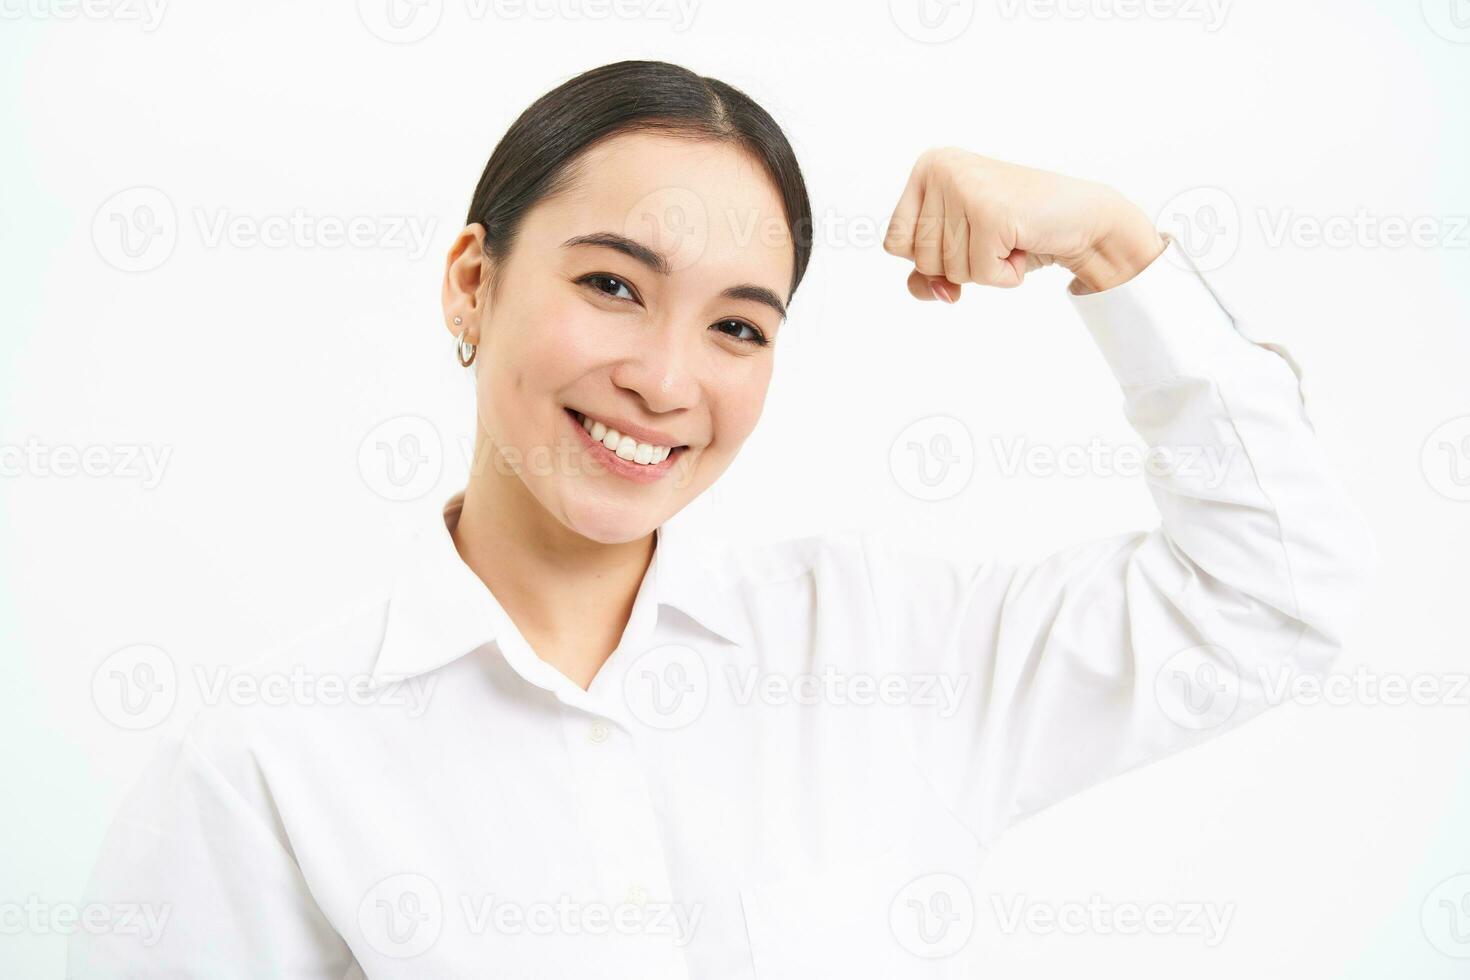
(569, 596)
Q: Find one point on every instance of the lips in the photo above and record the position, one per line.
(624, 446)
(623, 458)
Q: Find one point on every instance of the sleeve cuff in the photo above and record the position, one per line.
(1166, 322)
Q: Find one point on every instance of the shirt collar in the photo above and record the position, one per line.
(440, 610)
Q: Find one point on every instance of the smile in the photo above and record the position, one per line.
(623, 453)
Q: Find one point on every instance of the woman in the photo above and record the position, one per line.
(581, 743)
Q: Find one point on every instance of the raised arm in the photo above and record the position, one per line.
(1124, 649)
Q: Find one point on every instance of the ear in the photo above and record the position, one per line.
(466, 273)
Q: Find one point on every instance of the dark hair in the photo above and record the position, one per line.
(536, 157)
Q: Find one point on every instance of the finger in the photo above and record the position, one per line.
(922, 287)
(929, 234)
(1021, 263)
(956, 250)
(989, 255)
(944, 289)
(899, 239)
(919, 287)
(1010, 270)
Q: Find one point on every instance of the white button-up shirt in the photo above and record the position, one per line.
(797, 757)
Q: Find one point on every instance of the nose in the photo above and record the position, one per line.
(661, 371)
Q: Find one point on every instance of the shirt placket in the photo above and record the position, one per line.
(623, 835)
(618, 816)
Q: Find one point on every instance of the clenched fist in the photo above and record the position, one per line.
(967, 218)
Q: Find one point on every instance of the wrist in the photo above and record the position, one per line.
(1124, 246)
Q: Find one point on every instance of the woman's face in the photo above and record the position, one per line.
(644, 304)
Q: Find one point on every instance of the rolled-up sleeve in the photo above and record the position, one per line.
(1121, 650)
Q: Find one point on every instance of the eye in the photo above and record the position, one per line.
(608, 285)
(744, 332)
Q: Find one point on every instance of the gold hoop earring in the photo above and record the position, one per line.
(463, 349)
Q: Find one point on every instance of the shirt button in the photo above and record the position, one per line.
(597, 732)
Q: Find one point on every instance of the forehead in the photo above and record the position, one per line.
(709, 207)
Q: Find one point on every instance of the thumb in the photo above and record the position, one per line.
(923, 287)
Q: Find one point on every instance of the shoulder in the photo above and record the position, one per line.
(291, 693)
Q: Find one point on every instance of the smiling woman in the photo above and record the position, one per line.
(612, 304)
(610, 767)
(603, 273)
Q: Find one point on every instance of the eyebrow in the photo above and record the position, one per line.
(659, 263)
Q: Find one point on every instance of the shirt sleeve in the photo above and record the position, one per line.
(1124, 649)
(207, 884)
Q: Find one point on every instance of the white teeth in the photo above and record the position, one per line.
(626, 447)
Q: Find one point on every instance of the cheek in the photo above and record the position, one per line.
(547, 348)
(737, 406)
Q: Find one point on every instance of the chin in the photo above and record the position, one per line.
(609, 521)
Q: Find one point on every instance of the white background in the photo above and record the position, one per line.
(261, 369)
